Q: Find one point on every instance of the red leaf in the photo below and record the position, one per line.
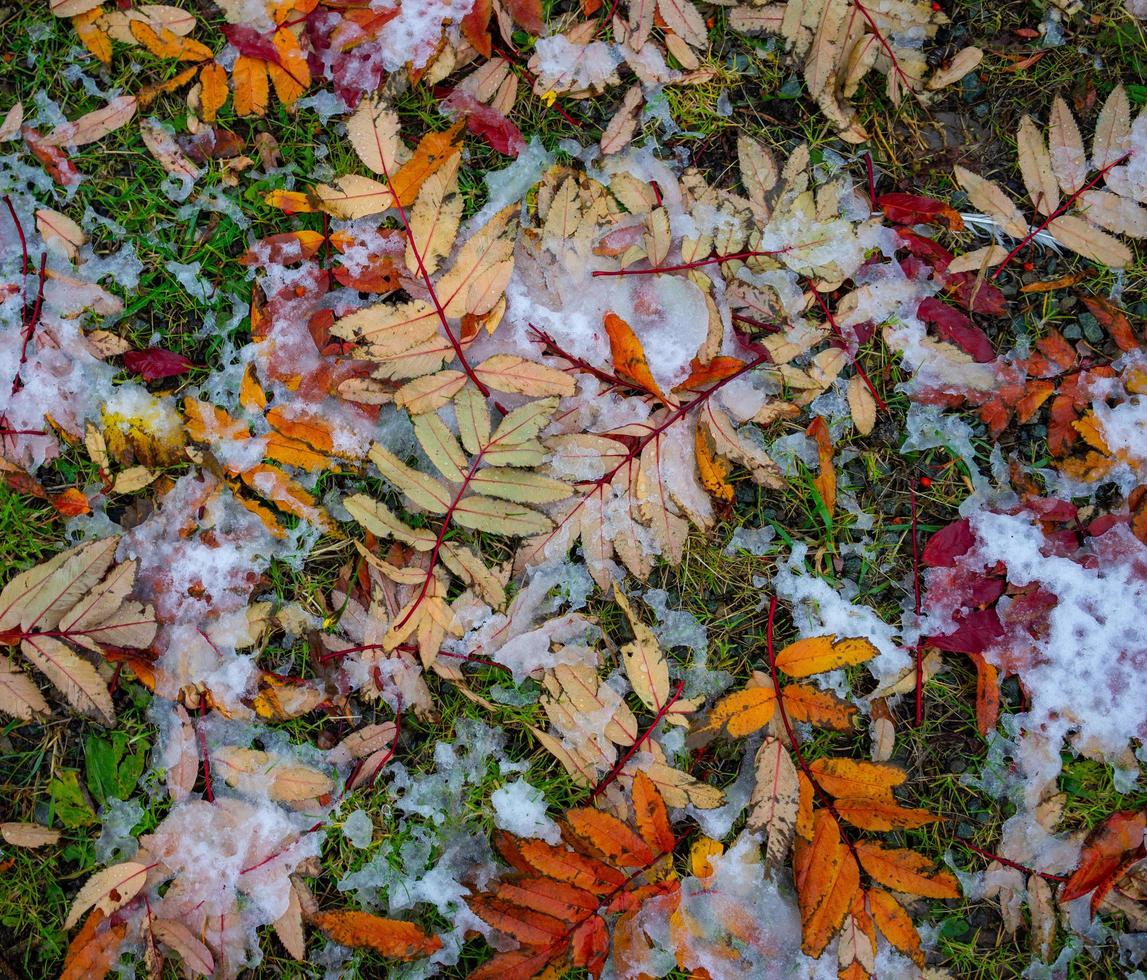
(70, 502)
(912, 209)
(155, 363)
(476, 27)
(487, 122)
(955, 326)
(976, 631)
(52, 159)
(926, 249)
(250, 42)
(526, 13)
(979, 297)
(1110, 849)
(947, 544)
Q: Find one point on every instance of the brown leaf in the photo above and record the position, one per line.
(30, 835)
(392, 938)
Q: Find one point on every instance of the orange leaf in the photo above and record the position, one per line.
(70, 502)
(433, 153)
(167, 44)
(825, 481)
(251, 394)
(803, 702)
(629, 356)
(895, 923)
(92, 36)
(611, 839)
(556, 898)
(208, 423)
(869, 814)
(987, 694)
(851, 779)
(291, 202)
(827, 880)
(1106, 854)
(293, 452)
(515, 965)
(273, 484)
(712, 469)
(804, 809)
(1113, 320)
(906, 871)
(212, 91)
(562, 864)
(651, 816)
(94, 949)
(149, 93)
(249, 78)
(817, 654)
(392, 938)
(530, 928)
(291, 77)
(738, 714)
(305, 427)
(702, 375)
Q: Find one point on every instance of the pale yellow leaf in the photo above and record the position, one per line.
(862, 405)
(430, 392)
(435, 218)
(775, 800)
(644, 661)
(421, 488)
(108, 890)
(965, 60)
(1068, 157)
(516, 375)
(379, 521)
(29, 835)
(94, 125)
(1112, 130)
(500, 517)
(522, 486)
(441, 446)
(1035, 167)
(194, 955)
(1082, 237)
(993, 200)
(19, 696)
(1114, 213)
(76, 679)
(60, 233)
(373, 132)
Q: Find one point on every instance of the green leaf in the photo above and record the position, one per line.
(69, 804)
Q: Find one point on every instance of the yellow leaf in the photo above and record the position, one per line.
(816, 654)
(704, 848)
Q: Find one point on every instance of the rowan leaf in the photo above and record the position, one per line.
(1107, 853)
(852, 779)
(393, 938)
(628, 356)
(895, 924)
(817, 654)
(775, 800)
(827, 881)
(906, 871)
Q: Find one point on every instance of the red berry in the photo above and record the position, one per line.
(925, 482)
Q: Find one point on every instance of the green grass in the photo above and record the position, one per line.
(42, 767)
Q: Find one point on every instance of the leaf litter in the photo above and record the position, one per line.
(505, 425)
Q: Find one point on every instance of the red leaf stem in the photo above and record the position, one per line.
(427, 280)
(852, 357)
(635, 747)
(1010, 864)
(919, 651)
